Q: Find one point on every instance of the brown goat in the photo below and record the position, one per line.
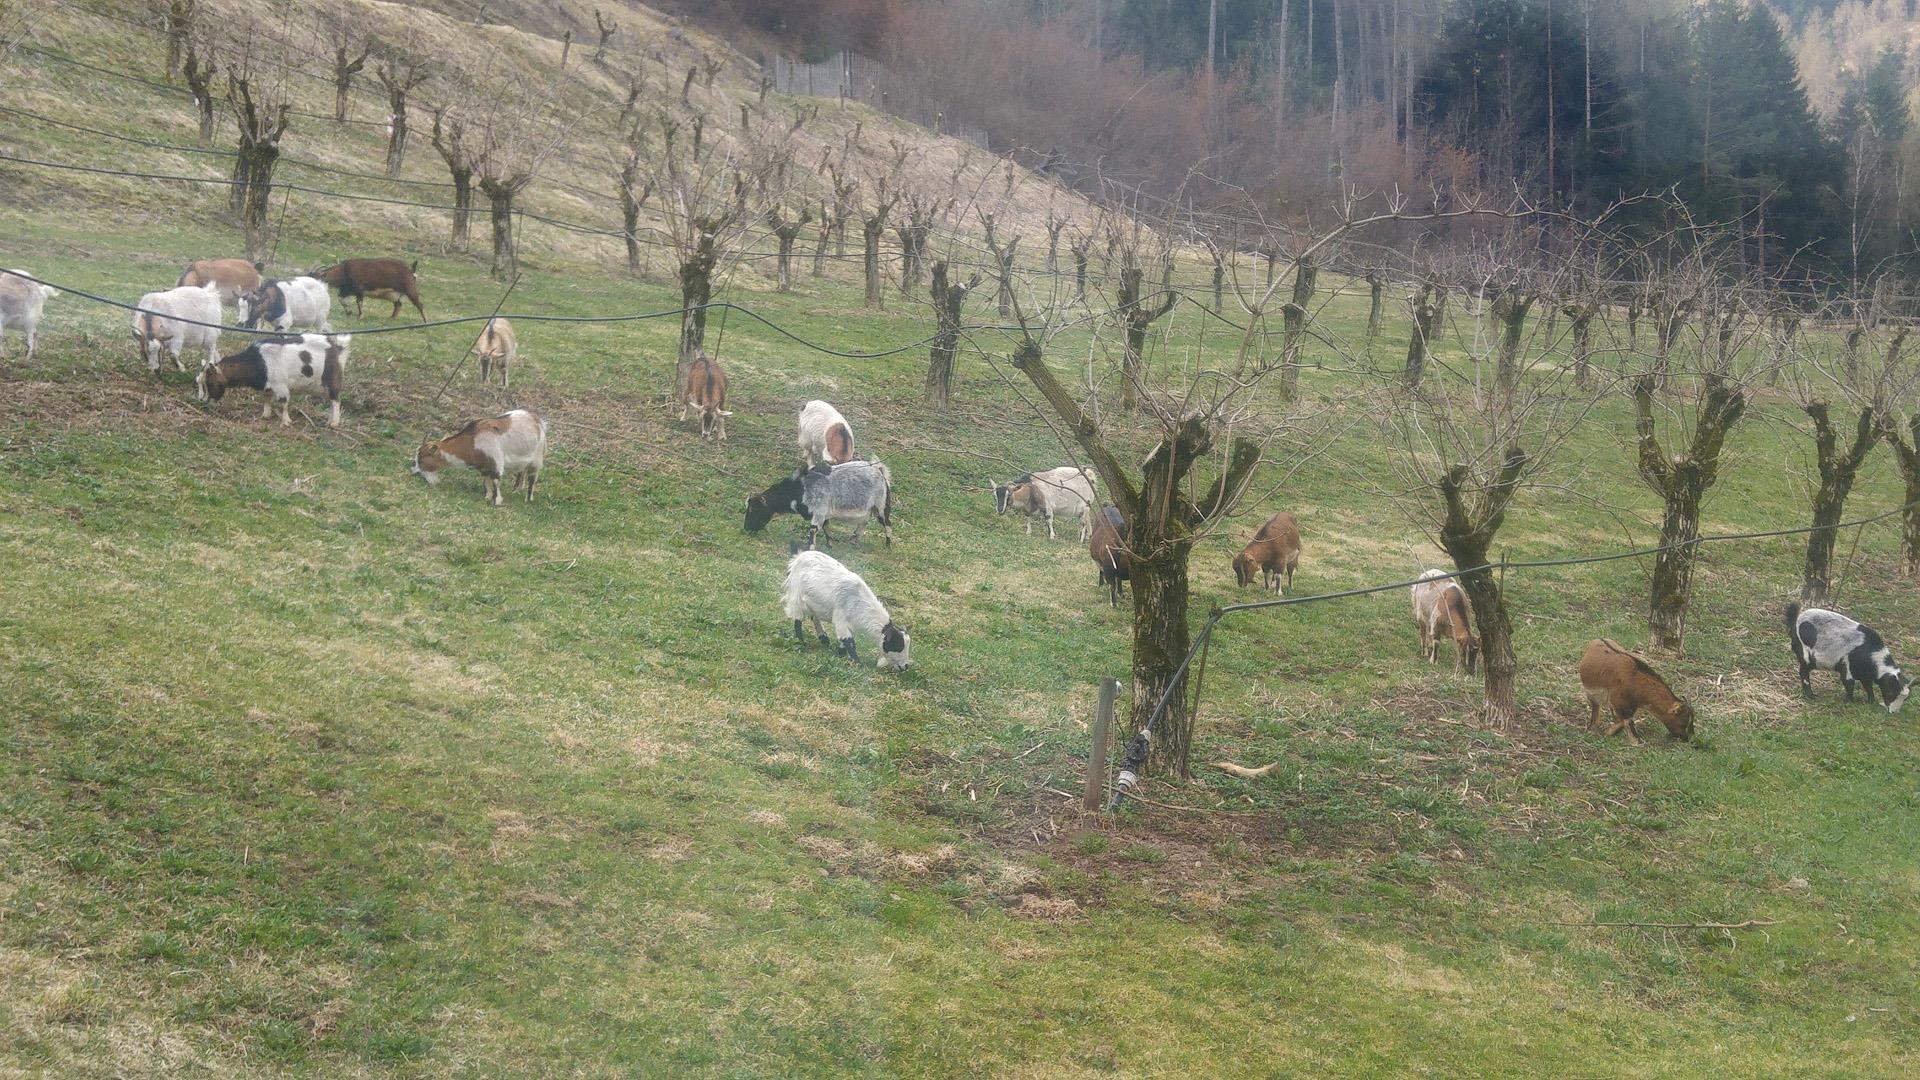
(1108, 547)
(378, 279)
(707, 391)
(1275, 550)
(235, 277)
(1440, 608)
(1613, 676)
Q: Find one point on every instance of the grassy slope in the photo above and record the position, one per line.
(309, 768)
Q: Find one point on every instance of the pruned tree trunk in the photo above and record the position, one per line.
(785, 232)
(1510, 306)
(450, 141)
(947, 302)
(1682, 482)
(1424, 316)
(1139, 312)
(261, 127)
(1054, 225)
(872, 228)
(1080, 253)
(345, 67)
(1582, 326)
(399, 76)
(1293, 322)
(1838, 469)
(1906, 451)
(179, 16)
(1376, 285)
(500, 194)
(1473, 516)
(826, 234)
(1162, 526)
(1219, 283)
(696, 291)
(200, 67)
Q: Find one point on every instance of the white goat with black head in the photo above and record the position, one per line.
(1830, 641)
(819, 588)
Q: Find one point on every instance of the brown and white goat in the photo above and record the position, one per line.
(1110, 553)
(1623, 682)
(1440, 608)
(511, 444)
(1275, 550)
(496, 347)
(707, 391)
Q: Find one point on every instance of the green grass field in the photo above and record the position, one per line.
(308, 769)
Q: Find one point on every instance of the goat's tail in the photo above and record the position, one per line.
(1793, 616)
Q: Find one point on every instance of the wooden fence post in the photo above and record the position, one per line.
(1095, 795)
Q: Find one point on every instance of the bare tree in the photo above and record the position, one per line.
(258, 97)
(1862, 383)
(1906, 451)
(922, 212)
(401, 71)
(350, 45)
(873, 220)
(1293, 325)
(1080, 243)
(1003, 255)
(786, 230)
(200, 66)
(450, 140)
(1681, 422)
(1376, 279)
(179, 18)
(604, 31)
(1139, 310)
(947, 302)
(515, 130)
(712, 192)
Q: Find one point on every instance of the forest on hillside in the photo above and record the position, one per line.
(1793, 119)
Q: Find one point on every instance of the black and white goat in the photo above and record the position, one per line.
(855, 491)
(1830, 641)
(282, 305)
(279, 366)
(820, 588)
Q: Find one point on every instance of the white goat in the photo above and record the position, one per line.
(825, 435)
(21, 302)
(152, 333)
(818, 588)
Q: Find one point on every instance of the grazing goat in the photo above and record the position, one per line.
(1830, 641)
(1108, 546)
(1065, 490)
(853, 491)
(283, 305)
(21, 302)
(1613, 677)
(234, 278)
(154, 332)
(279, 366)
(1275, 550)
(378, 279)
(707, 391)
(818, 588)
(511, 444)
(824, 434)
(1440, 608)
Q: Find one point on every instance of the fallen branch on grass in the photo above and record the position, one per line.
(1242, 771)
(1748, 924)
